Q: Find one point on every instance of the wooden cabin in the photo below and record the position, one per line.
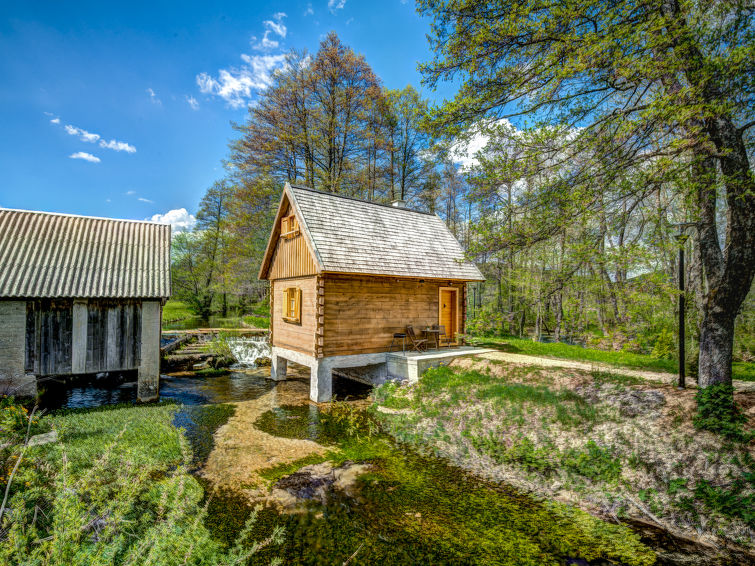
(346, 274)
(80, 295)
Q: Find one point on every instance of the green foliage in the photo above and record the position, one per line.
(115, 490)
(736, 499)
(717, 412)
(664, 346)
(593, 462)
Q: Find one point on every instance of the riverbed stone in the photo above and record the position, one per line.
(315, 483)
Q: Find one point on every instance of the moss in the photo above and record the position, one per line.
(281, 470)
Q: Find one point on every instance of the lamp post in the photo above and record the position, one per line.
(681, 238)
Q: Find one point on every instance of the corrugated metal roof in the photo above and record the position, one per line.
(355, 236)
(45, 254)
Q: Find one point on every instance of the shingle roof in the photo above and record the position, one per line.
(58, 255)
(354, 236)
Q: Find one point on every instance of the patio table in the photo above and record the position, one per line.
(435, 332)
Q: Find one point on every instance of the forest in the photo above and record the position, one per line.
(573, 183)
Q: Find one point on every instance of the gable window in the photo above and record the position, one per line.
(292, 304)
(289, 226)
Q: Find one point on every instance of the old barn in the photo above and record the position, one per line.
(347, 276)
(80, 295)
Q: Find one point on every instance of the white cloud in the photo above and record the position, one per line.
(309, 11)
(92, 138)
(83, 134)
(272, 27)
(335, 5)
(179, 219)
(130, 193)
(85, 156)
(153, 97)
(118, 146)
(142, 199)
(236, 85)
(192, 102)
(276, 25)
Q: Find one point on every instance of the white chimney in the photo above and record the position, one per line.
(399, 203)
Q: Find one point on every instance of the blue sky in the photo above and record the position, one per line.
(124, 109)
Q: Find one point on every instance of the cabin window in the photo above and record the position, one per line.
(289, 226)
(292, 304)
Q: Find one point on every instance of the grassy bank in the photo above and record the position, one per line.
(741, 370)
(612, 444)
(416, 509)
(114, 489)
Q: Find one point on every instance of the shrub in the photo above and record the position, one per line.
(664, 346)
(717, 412)
(595, 463)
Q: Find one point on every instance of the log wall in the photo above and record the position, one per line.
(299, 336)
(361, 314)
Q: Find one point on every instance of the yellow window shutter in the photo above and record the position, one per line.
(297, 312)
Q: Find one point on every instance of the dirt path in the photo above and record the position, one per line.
(668, 378)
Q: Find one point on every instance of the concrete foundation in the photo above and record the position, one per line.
(411, 365)
(13, 377)
(321, 369)
(149, 367)
(372, 369)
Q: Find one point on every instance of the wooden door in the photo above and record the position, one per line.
(448, 311)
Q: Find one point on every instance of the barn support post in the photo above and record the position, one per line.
(13, 377)
(79, 336)
(149, 367)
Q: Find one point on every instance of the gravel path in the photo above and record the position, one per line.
(663, 377)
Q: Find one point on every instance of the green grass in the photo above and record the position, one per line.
(257, 321)
(143, 432)
(744, 371)
(176, 310)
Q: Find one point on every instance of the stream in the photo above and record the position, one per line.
(407, 508)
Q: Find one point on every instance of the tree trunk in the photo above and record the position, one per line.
(716, 345)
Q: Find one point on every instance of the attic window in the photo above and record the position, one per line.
(289, 226)
(292, 304)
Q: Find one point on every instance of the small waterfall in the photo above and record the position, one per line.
(247, 350)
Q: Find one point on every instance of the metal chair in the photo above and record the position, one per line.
(397, 335)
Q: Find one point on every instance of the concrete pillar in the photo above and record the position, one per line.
(79, 336)
(321, 381)
(278, 367)
(13, 377)
(149, 368)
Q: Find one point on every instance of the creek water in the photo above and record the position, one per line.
(409, 508)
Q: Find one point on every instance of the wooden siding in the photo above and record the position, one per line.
(49, 327)
(113, 339)
(299, 336)
(362, 313)
(291, 258)
(113, 336)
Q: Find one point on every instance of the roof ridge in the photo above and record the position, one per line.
(2, 208)
(325, 193)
